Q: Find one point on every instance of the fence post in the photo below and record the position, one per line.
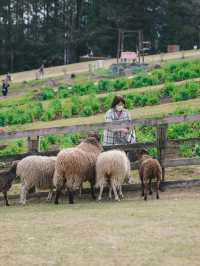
(161, 146)
(33, 144)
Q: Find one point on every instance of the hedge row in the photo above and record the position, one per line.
(93, 104)
(170, 73)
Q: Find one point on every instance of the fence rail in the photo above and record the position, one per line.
(161, 143)
(89, 127)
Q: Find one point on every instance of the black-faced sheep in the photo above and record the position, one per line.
(149, 169)
(6, 181)
(36, 171)
(75, 166)
(112, 168)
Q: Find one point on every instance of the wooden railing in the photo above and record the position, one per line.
(161, 143)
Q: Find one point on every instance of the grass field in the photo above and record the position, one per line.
(132, 232)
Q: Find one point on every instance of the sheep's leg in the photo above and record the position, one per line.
(92, 185)
(80, 190)
(71, 196)
(100, 193)
(145, 188)
(110, 192)
(142, 183)
(157, 189)
(23, 194)
(5, 198)
(120, 192)
(58, 191)
(150, 187)
(115, 192)
(50, 195)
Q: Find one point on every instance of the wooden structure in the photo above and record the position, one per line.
(162, 143)
(122, 34)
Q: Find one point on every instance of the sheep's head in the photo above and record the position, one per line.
(13, 167)
(94, 135)
(143, 152)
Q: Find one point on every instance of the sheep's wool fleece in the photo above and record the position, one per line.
(77, 165)
(114, 165)
(37, 171)
(150, 168)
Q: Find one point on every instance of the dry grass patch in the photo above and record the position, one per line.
(132, 232)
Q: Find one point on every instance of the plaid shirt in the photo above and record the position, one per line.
(112, 137)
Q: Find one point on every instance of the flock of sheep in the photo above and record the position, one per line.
(74, 166)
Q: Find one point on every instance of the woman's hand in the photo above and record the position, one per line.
(124, 130)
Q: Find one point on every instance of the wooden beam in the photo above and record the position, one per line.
(105, 125)
(182, 162)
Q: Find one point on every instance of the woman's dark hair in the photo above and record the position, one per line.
(117, 100)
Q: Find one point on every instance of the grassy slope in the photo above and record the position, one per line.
(148, 111)
(132, 232)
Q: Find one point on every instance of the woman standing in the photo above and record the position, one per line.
(118, 112)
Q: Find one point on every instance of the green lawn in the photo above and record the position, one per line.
(132, 232)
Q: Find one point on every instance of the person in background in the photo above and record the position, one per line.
(5, 86)
(118, 112)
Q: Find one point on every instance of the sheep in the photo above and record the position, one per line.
(6, 181)
(149, 169)
(75, 166)
(112, 168)
(36, 171)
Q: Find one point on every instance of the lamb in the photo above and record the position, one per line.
(75, 166)
(149, 169)
(112, 168)
(36, 171)
(6, 181)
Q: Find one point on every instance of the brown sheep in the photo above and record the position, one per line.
(6, 181)
(149, 169)
(75, 166)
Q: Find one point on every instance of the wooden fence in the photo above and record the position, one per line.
(162, 143)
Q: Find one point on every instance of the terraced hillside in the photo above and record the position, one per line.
(172, 89)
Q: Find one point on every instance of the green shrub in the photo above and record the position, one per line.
(104, 85)
(120, 84)
(63, 92)
(44, 144)
(107, 101)
(76, 105)
(87, 110)
(197, 150)
(56, 106)
(151, 98)
(67, 112)
(169, 89)
(47, 94)
(189, 91)
(186, 151)
(49, 115)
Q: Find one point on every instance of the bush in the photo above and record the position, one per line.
(107, 101)
(169, 88)
(47, 94)
(67, 112)
(63, 92)
(87, 110)
(120, 84)
(189, 91)
(56, 106)
(151, 98)
(76, 105)
(104, 85)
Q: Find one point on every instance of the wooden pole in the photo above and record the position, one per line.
(161, 146)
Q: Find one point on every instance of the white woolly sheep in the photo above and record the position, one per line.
(75, 166)
(112, 168)
(36, 171)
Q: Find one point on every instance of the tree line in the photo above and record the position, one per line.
(52, 32)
